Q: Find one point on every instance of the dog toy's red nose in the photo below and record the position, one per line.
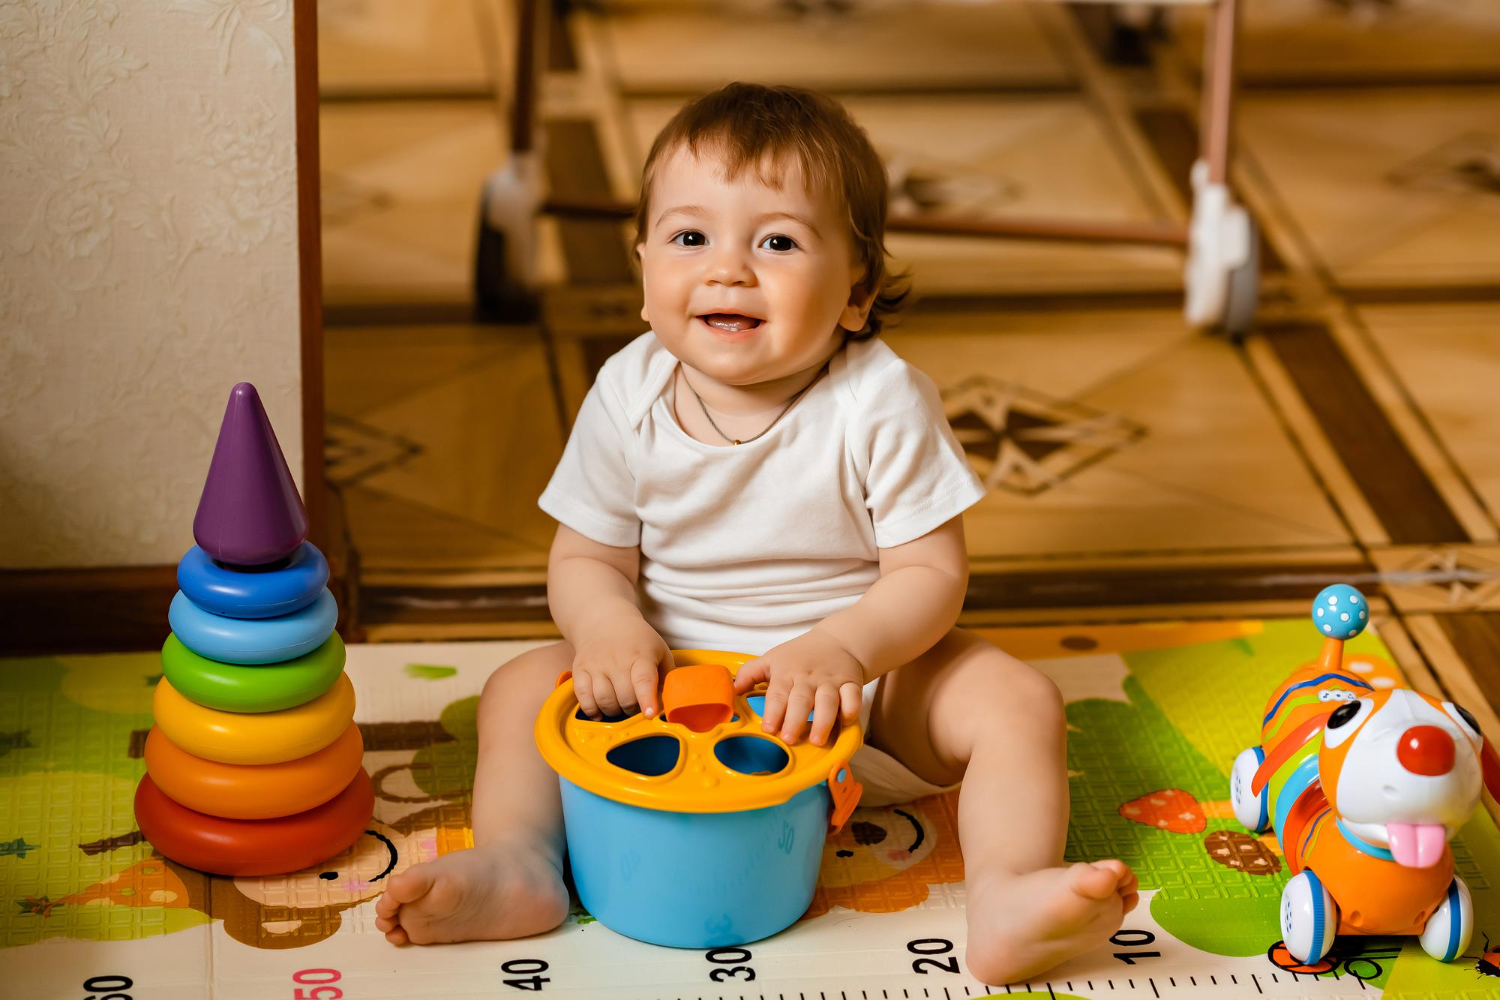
(1426, 750)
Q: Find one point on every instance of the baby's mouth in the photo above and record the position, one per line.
(730, 322)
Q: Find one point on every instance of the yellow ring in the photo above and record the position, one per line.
(699, 782)
(254, 738)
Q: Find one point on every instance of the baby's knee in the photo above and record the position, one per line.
(531, 675)
(1018, 689)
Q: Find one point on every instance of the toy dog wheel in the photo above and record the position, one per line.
(1448, 930)
(1253, 811)
(1309, 918)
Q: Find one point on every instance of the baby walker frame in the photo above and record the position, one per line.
(1221, 276)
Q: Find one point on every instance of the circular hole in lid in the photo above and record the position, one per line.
(751, 755)
(650, 755)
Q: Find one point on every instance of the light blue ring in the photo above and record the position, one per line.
(253, 640)
(237, 593)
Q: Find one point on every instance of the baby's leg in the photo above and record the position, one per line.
(510, 883)
(966, 711)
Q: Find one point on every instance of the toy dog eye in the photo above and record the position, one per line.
(1343, 715)
(1341, 724)
(1464, 716)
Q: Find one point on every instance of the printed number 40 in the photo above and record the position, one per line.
(522, 966)
(933, 946)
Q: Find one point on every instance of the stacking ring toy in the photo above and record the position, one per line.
(254, 846)
(694, 828)
(253, 640)
(253, 791)
(231, 687)
(244, 738)
(252, 593)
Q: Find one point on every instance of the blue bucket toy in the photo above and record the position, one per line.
(694, 829)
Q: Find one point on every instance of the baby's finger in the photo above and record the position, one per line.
(751, 673)
(604, 694)
(774, 707)
(851, 697)
(643, 679)
(825, 712)
(797, 708)
(583, 689)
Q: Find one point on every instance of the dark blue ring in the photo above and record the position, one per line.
(238, 593)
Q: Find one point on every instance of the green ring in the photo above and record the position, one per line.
(266, 687)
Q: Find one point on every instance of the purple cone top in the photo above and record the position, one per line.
(250, 513)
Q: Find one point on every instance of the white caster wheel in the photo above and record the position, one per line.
(1221, 278)
(1309, 918)
(1253, 811)
(505, 265)
(1244, 290)
(1448, 930)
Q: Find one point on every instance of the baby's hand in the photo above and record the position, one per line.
(615, 668)
(811, 672)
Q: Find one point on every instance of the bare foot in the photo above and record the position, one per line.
(488, 893)
(1020, 925)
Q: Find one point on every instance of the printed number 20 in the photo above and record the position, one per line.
(933, 946)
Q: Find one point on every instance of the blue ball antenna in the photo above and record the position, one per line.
(1340, 612)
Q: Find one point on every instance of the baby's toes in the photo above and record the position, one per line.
(1094, 881)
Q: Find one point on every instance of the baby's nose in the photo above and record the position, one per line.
(1426, 750)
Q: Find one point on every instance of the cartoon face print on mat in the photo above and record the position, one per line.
(885, 858)
(273, 912)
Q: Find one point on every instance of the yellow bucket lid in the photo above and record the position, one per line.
(699, 781)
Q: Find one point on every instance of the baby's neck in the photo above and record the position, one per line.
(747, 401)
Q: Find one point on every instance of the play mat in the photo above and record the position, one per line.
(1156, 715)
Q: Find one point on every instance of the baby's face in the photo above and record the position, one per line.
(716, 246)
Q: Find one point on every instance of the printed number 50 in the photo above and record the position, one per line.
(307, 977)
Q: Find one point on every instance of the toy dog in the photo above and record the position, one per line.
(1364, 781)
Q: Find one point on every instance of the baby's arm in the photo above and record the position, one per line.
(913, 605)
(591, 593)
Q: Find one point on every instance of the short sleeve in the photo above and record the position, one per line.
(592, 490)
(916, 476)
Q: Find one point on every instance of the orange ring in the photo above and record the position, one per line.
(254, 846)
(253, 791)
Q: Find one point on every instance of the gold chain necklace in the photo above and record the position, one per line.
(763, 433)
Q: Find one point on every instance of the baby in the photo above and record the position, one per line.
(758, 473)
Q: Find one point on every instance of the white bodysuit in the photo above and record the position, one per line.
(746, 546)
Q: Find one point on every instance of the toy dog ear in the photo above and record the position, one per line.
(1490, 762)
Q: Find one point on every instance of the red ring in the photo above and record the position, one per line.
(254, 846)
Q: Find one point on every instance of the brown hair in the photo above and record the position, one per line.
(750, 124)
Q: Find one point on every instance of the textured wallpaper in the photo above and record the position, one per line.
(148, 261)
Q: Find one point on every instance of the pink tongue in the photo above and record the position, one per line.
(1417, 845)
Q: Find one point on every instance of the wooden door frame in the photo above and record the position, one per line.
(310, 266)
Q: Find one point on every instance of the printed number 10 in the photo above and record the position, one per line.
(1133, 939)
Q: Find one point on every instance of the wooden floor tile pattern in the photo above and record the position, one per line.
(1384, 474)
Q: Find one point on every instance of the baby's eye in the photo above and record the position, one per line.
(779, 236)
(689, 232)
